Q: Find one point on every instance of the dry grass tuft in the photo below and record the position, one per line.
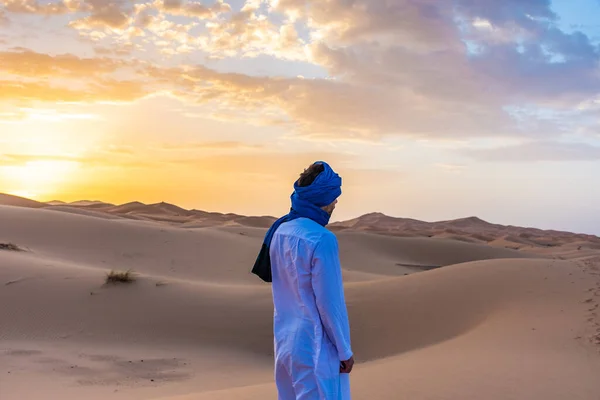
(114, 277)
(10, 247)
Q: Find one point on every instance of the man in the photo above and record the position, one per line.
(313, 356)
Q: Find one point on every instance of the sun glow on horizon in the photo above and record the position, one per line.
(34, 179)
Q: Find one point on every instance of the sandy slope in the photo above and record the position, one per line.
(197, 325)
(526, 340)
(213, 255)
(8, 200)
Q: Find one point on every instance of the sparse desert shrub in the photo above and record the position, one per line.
(10, 247)
(114, 277)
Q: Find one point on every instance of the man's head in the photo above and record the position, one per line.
(309, 176)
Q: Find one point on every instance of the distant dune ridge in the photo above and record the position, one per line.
(471, 229)
(9, 200)
(459, 309)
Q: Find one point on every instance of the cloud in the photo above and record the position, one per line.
(72, 79)
(523, 12)
(422, 23)
(439, 75)
(223, 145)
(101, 91)
(536, 151)
(124, 50)
(28, 91)
(397, 69)
(316, 108)
(319, 108)
(462, 69)
(170, 37)
(249, 33)
(104, 14)
(161, 25)
(114, 14)
(521, 68)
(193, 8)
(329, 108)
(100, 13)
(532, 76)
(24, 62)
(35, 7)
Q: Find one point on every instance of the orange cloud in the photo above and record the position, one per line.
(104, 14)
(316, 108)
(12, 90)
(124, 50)
(249, 33)
(152, 22)
(193, 8)
(333, 108)
(72, 79)
(107, 90)
(24, 62)
(34, 7)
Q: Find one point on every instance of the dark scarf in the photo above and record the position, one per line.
(306, 203)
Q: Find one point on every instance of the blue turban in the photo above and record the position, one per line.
(307, 202)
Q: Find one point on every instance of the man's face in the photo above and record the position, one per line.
(329, 209)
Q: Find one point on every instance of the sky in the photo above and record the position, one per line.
(428, 109)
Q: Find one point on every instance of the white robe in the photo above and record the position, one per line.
(312, 332)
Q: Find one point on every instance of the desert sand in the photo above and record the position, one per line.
(458, 309)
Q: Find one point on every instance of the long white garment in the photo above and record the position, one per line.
(312, 332)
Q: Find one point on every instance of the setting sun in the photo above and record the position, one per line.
(34, 179)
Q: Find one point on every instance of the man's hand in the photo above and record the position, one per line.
(346, 366)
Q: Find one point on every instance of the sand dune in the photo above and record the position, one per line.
(90, 203)
(82, 211)
(55, 203)
(436, 325)
(159, 212)
(493, 323)
(214, 255)
(464, 229)
(470, 230)
(8, 200)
